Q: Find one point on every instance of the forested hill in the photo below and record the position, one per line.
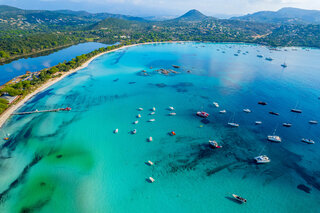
(25, 32)
(286, 15)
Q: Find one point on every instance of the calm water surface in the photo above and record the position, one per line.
(73, 162)
(19, 67)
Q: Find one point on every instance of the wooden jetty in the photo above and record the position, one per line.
(42, 111)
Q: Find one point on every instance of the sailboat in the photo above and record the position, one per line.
(274, 138)
(296, 110)
(232, 123)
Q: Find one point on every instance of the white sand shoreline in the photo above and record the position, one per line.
(8, 112)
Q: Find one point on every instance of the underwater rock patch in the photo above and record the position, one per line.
(304, 188)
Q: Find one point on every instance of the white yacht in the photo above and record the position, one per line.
(150, 139)
(258, 122)
(233, 124)
(215, 104)
(262, 159)
(171, 108)
(116, 131)
(134, 131)
(140, 109)
(136, 122)
(138, 116)
(151, 179)
(152, 113)
(308, 141)
(151, 120)
(274, 138)
(150, 163)
(153, 109)
(223, 111)
(313, 122)
(247, 110)
(172, 113)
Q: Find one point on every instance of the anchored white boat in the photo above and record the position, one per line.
(138, 116)
(247, 110)
(215, 104)
(171, 108)
(136, 122)
(262, 159)
(151, 120)
(152, 113)
(214, 144)
(308, 141)
(233, 124)
(150, 163)
(258, 122)
(172, 113)
(313, 122)
(151, 179)
(223, 111)
(153, 109)
(287, 124)
(240, 199)
(274, 138)
(140, 109)
(150, 139)
(134, 131)
(116, 131)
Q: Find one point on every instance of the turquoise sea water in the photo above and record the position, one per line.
(32, 64)
(73, 162)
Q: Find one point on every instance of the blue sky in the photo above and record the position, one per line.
(164, 7)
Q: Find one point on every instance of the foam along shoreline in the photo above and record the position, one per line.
(8, 112)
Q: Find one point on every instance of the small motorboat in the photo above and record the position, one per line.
(152, 113)
(150, 139)
(240, 199)
(269, 59)
(296, 110)
(134, 131)
(247, 110)
(262, 159)
(150, 163)
(262, 103)
(223, 111)
(135, 122)
(151, 120)
(172, 113)
(138, 116)
(215, 104)
(286, 124)
(172, 133)
(214, 144)
(153, 109)
(313, 122)
(171, 108)
(203, 114)
(151, 179)
(233, 124)
(260, 56)
(274, 138)
(258, 122)
(274, 113)
(284, 65)
(116, 131)
(140, 109)
(308, 141)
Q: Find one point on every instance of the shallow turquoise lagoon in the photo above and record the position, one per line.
(73, 162)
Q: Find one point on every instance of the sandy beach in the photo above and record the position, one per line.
(6, 115)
